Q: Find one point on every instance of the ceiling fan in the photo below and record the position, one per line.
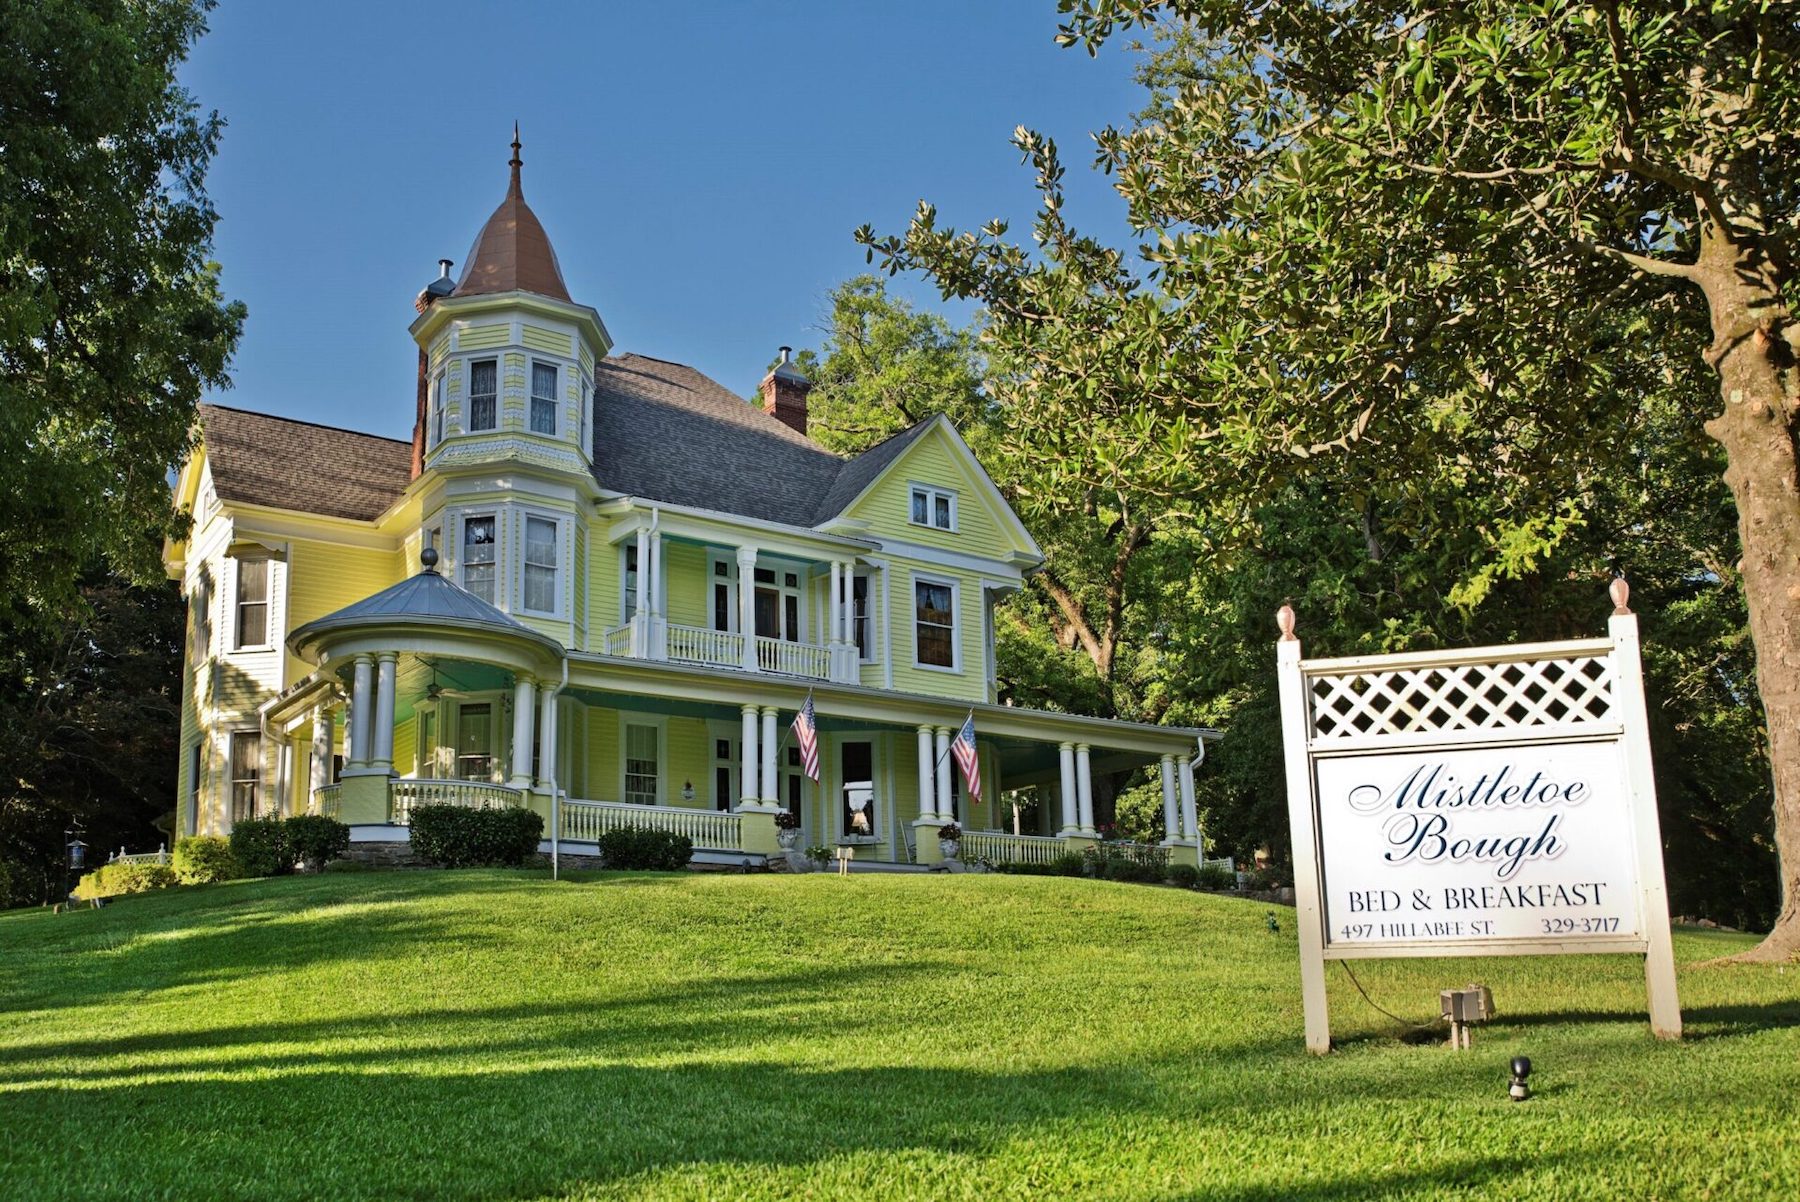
(434, 690)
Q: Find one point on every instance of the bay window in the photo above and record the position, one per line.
(543, 398)
(484, 394)
(477, 559)
(540, 565)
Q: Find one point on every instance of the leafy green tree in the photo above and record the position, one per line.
(111, 319)
(1451, 244)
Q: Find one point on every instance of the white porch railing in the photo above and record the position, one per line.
(617, 641)
(327, 800)
(588, 820)
(699, 645)
(793, 659)
(403, 795)
(159, 856)
(997, 847)
(1139, 853)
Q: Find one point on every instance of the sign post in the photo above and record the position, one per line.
(1488, 802)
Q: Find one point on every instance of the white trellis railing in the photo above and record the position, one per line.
(793, 659)
(327, 800)
(403, 795)
(159, 856)
(710, 829)
(997, 847)
(699, 645)
(617, 640)
(1153, 854)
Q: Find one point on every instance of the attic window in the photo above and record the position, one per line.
(934, 507)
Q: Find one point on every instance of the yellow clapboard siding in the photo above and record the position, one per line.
(540, 339)
(482, 338)
(328, 576)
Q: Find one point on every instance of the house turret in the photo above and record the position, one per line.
(509, 356)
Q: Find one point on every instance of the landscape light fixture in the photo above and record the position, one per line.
(1470, 1004)
(1521, 1069)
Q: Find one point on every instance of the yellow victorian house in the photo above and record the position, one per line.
(601, 585)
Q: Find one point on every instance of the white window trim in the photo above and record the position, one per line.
(469, 392)
(956, 622)
(562, 560)
(263, 783)
(268, 604)
(661, 723)
(877, 758)
(729, 579)
(531, 397)
(462, 541)
(932, 492)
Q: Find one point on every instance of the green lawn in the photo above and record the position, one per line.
(490, 1034)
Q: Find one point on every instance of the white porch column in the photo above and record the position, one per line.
(524, 710)
(1071, 813)
(1084, 788)
(771, 775)
(746, 561)
(1190, 815)
(833, 610)
(941, 763)
(640, 618)
(1171, 819)
(547, 712)
(747, 766)
(321, 748)
(362, 711)
(384, 712)
(927, 789)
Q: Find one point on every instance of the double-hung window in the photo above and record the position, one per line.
(642, 764)
(540, 565)
(933, 507)
(484, 394)
(860, 625)
(437, 409)
(543, 398)
(934, 623)
(631, 582)
(252, 603)
(478, 557)
(246, 773)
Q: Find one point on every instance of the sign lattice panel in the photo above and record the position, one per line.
(1493, 696)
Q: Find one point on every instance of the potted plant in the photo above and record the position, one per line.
(815, 857)
(787, 830)
(949, 840)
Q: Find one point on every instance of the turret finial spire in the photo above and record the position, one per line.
(515, 162)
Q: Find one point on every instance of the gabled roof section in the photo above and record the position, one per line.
(860, 472)
(259, 459)
(666, 432)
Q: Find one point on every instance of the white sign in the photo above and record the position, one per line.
(1496, 801)
(1477, 844)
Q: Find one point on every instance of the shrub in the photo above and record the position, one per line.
(787, 820)
(460, 837)
(315, 839)
(113, 880)
(260, 847)
(1184, 876)
(1070, 863)
(203, 859)
(639, 847)
(1217, 876)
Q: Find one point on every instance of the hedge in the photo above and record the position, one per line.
(260, 846)
(636, 847)
(112, 880)
(460, 837)
(204, 859)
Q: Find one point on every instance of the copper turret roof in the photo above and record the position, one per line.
(512, 253)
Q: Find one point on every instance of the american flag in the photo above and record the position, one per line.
(806, 733)
(964, 750)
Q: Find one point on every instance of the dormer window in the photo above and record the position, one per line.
(934, 507)
(543, 398)
(484, 393)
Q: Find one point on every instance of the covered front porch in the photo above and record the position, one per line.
(433, 697)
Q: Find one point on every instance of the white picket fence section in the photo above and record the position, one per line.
(997, 847)
(793, 659)
(709, 829)
(1139, 853)
(403, 795)
(159, 856)
(699, 645)
(328, 800)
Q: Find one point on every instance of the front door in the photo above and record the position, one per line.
(856, 759)
(778, 603)
(474, 741)
(725, 796)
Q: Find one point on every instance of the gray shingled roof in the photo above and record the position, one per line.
(259, 459)
(667, 433)
(662, 431)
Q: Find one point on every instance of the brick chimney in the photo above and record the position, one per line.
(428, 295)
(784, 392)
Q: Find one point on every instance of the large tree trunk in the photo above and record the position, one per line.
(1759, 428)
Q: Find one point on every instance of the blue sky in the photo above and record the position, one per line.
(699, 166)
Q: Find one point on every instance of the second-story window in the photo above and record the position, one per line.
(437, 409)
(934, 624)
(484, 394)
(631, 582)
(859, 608)
(252, 603)
(540, 565)
(934, 507)
(543, 398)
(203, 594)
(478, 557)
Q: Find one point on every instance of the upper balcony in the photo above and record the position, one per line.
(648, 636)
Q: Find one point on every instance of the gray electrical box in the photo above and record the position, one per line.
(1470, 1004)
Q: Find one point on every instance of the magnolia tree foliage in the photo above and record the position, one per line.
(1437, 262)
(111, 319)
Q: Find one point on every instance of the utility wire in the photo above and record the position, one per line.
(1411, 1026)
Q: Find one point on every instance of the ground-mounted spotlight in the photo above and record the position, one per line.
(1521, 1069)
